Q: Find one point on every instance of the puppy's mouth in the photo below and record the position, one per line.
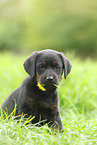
(48, 84)
(45, 87)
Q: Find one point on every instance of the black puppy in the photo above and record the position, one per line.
(46, 68)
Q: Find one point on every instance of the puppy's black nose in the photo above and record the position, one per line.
(50, 78)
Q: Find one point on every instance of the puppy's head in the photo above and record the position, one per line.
(47, 67)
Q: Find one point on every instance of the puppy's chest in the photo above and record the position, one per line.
(38, 104)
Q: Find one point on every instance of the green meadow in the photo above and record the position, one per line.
(78, 105)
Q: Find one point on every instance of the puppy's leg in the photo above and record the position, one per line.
(56, 122)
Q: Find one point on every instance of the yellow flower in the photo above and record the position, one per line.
(41, 87)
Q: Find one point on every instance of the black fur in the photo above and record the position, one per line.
(45, 67)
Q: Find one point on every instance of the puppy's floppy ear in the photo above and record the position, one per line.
(29, 64)
(66, 65)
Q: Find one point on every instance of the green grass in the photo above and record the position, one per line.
(78, 105)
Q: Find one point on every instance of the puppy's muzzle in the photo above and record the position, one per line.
(50, 79)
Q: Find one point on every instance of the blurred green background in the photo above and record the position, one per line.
(63, 25)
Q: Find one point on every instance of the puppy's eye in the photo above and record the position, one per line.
(56, 67)
(42, 67)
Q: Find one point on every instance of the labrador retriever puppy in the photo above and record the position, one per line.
(38, 95)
